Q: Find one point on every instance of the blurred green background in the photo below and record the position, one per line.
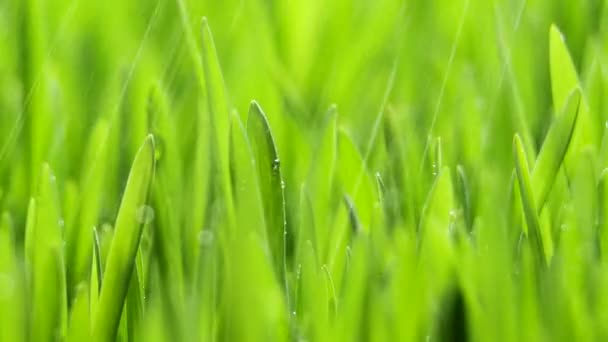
(417, 85)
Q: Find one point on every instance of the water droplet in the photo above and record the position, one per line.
(206, 238)
(454, 214)
(61, 223)
(276, 164)
(282, 184)
(145, 214)
(294, 313)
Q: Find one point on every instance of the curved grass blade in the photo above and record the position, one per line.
(527, 198)
(564, 78)
(123, 249)
(355, 223)
(271, 184)
(554, 149)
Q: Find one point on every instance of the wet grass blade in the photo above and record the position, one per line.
(271, 184)
(123, 250)
(527, 198)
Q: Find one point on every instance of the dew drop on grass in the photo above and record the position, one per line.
(434, 168)
(145, 214)
(276, 164)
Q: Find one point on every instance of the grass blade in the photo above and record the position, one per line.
(527, 198)
(247, 196)
(554, 149)
(124, 246)
(271, 184)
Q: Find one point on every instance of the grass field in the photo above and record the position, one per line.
(303, 170)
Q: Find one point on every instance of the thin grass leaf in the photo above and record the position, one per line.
(554, 149)
(95, 277)
(464, 193)
(30, 223)
(527, 197)
(564, 78)
(271, 184)
(123, 250)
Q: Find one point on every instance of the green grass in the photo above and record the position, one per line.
(304, 170)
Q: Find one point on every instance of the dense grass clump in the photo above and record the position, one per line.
(386, 170)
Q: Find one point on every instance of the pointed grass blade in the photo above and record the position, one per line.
(271, 183)
(123, 249)
(554, 149)
(527, 199)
